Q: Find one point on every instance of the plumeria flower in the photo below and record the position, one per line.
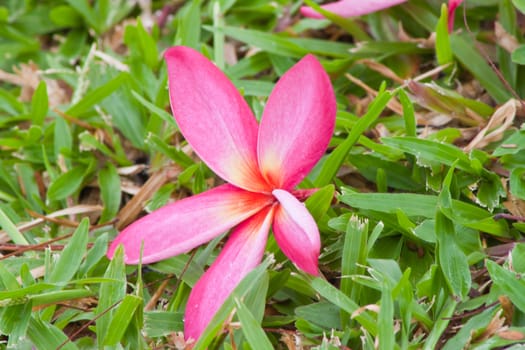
(351, 8)
(262, 164)
(452, 6)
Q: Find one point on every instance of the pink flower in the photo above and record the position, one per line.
(262, 163)
(351, 8)
(452, 5)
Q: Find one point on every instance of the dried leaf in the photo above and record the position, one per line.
(501, 120)
(504, 39)
(392, 104)
(511, 335)
(382, 69)
(370, 307)
(496, 325)
(507, 307)
(133, 208)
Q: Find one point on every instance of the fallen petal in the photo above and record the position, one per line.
(213, 117)
(296, 232)
(178, 227)
(351, 8)
(242, 252)
(297, 124)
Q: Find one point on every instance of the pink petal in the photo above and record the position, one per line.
(242, 252)
(452, 5)
(214, 118)
(351, 8)
(185, 224)
(297, 124)
(296, 232)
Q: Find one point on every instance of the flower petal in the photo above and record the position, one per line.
(297, 124)
(351, 8)
(213, 117)
(296, 232)
(185, 224)
(452, 5)
(242, 252)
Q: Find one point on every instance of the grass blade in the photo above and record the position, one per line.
(251, 328)
(71, 257)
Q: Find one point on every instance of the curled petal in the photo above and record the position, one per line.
(297, 124)
(296, 232)
(214, 118)
(185, 224)
(351, 8)
(242, 252)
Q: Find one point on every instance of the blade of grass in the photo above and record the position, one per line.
(67, 265)
(11, 230)
(110, 294)
(336, 297)
(354, 258)
(425, 205)
(471, 59)
(110, 190)
(443, 50)
(44, 335)
(386, 335)
(121, 319)
(334, 161)
(39, 104)
(251, 328)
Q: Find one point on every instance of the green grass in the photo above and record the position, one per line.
(423, 248)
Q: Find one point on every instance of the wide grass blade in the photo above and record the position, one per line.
(333, 162)
(111, 293)
(355, 253)
(71, 257)
(122, 317)
(251, 328)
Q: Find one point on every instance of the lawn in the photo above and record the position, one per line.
(236, 174)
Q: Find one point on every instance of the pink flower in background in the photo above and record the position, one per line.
(452, 6)
(351, 8)
(262, 164)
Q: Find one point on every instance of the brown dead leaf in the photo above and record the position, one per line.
(128, 186)
(381, 69)
(511, 335)
(507, 307)
(11, 78)
(28, 76)
(370, 307)
(289, 340)
(78, 209)
(434, 98)
(230, 54)
(30, 80)
(515, 205)
(133, 208)
(500, 250)
(111, 61)
(501, 121)
(114, 38)
(36, 272)
(131, 170)
(428, 43)
(496, 325)
(393, 105)
(437, 120)
(178, 341)
(504, 39)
